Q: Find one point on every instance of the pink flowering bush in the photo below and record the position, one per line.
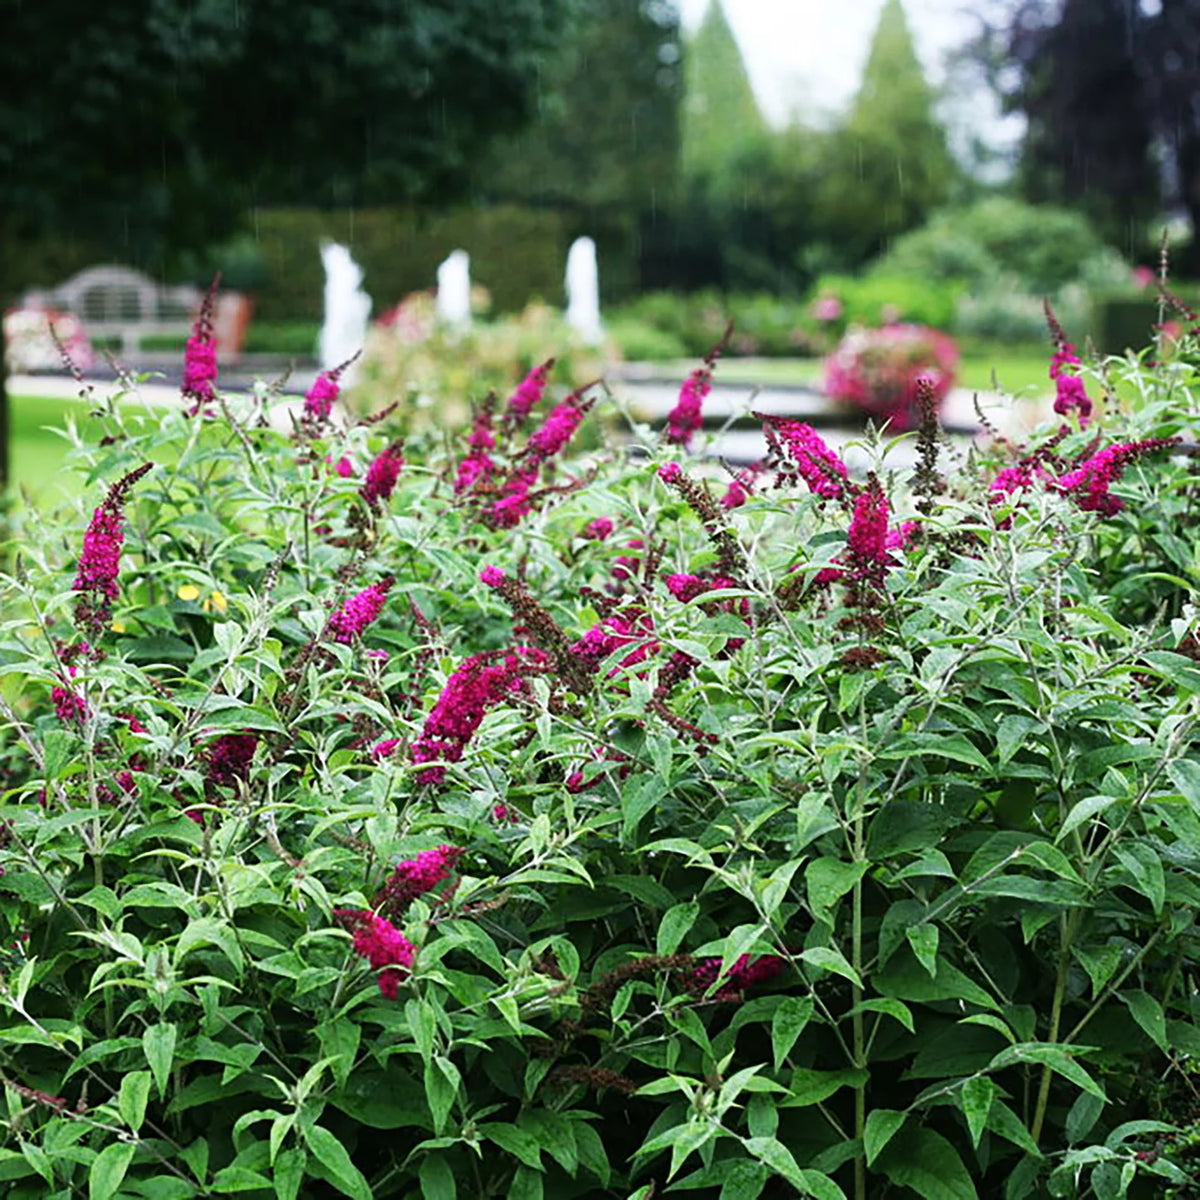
(521, 816)
(876, 370)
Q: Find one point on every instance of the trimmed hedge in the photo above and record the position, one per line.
(516, 253)
(1122, 321)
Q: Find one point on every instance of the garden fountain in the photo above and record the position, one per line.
(454, 289)
(347, 309)
(583, 291)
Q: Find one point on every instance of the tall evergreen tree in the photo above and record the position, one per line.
(887, 165)
(720, 113)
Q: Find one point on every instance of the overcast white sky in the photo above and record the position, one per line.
(806, 56)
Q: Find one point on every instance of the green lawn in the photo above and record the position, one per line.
(38, 453)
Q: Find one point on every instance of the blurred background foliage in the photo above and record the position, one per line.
(602, 117)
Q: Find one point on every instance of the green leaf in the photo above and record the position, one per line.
(829, 959)
(1148, 1013)
(108, 1169)
(339, 1043)
(898, 919)
(514, 1141)
(788, 1024)
(527, 1184)
(441, 1086)
(926, 1162)
(1100, 962)
(889, 1008)
(639, 796)
(923, 939)
(907, 980)
(1054, 1056)
(132, 1098)
(675, 925)
(744, 1180)
(555, 1134)
(907, 826)
(331, 1154)
(1003, 1121)
(954, 746)
(827, 880)
(437, 1179)
(1084, 1114)
(772, 1153)
(208, 931)
(975, 1099)
(288, 1174)
(881, 1126)
(158, 1044)
(1185, 775)
(1143, 863)
(807, 1086)
(1083, 811)
(233, 1178)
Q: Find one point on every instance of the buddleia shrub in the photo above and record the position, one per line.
(468, 818)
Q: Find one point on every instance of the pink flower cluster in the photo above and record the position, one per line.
(1089, 482)
(69, 705)
(515, 502)
(378, 941)
(200, 354)
(200, 367)
(811, 458)
(625, 566)
(742, 974)
(740, 488)
(1012, 479)
(867, 542)
(99, 561)
(382, 475)
(614, 633)
(558, 428)
(359, 611)
(321, 397)
(100, 556)
(479, 684)
(478, 465)
(528, 395)
(384, 749)
(229, 758)
(876, 370)
(685, 419)
(1070, 394)
(598, 530)
(414, 877)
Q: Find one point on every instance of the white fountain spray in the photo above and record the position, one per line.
(583, 291)
(454, 289)
(347, 310)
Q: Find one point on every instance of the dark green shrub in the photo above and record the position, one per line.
(1040, 246)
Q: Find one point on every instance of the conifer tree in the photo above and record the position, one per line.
(720, 114)
(887, 165)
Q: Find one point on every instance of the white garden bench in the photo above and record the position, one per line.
(120, 303)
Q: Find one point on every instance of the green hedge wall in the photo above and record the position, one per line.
(516, 253)
(1123, 321)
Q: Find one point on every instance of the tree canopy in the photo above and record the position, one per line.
(1111, 93)
(162, 119)
(887, 166)
(606, 132)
